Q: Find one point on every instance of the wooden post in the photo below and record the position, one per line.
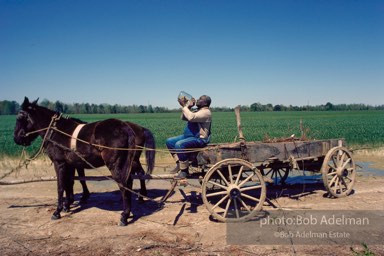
(239, 129)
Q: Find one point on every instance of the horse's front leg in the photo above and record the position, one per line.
(60, 174)
(127, 201)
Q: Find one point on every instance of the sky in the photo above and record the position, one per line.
(239, 52)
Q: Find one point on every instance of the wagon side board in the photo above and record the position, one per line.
(255, 152)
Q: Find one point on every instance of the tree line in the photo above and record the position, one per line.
(12, 108)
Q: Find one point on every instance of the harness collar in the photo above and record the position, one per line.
(74, 136)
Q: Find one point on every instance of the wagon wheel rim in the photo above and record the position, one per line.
(339, 172)
(233, 190)
(278, 175)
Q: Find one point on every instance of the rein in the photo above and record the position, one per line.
(52, 127)
(54, 119)
(27, 160)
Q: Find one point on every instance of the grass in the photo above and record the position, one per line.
(365, 252)
(360, 129)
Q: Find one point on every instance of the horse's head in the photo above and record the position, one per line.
(25, 124)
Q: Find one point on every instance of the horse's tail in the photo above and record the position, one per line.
(150, 151)
(130, 152)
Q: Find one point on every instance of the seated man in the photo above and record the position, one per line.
(196, 133)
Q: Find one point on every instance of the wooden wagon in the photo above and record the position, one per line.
(234, 175)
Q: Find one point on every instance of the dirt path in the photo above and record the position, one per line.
(179, 228)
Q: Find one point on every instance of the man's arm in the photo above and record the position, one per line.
(200, 116)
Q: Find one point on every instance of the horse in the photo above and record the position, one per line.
(71, 145)
(144, 139)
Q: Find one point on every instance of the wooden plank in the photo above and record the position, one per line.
(261, 151)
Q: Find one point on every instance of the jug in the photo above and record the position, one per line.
(185, 97)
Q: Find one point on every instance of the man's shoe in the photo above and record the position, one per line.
(176, 169)
(181, 175)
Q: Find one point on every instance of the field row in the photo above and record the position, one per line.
(359, 128)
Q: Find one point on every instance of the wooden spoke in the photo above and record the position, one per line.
(246, 180)
(239, 175)
(244, 205)
(217, 184)
(276, 174)
(250, 188)
(345, 163)
(236, 209)
(223, 178)
(333, 180)
(221, 200)
(332, 167)
(230, 174)
(342, 181)
(221, 193)
(251, 197)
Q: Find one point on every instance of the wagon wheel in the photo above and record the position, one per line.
(233, 190)
(338, 171)
(277, 175)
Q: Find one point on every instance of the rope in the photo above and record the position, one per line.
(26, 161)
(190, 150)
(36, 131)
(53, 120)
(51, 128)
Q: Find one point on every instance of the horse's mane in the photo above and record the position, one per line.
(33, 105)
(77, 120)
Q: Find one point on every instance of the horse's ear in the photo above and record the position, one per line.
(25, 103)
(35, 102)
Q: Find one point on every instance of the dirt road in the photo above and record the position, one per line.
(181, 227)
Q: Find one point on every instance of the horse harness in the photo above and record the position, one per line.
(74, 136)
(47, 137)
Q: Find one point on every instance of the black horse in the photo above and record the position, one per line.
(109, 142)
(145, 140)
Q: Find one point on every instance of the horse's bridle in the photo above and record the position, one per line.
(25, 114)
(52, 124)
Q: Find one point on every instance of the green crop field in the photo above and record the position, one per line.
(359, 128)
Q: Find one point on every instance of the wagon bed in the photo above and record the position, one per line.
(258, 152)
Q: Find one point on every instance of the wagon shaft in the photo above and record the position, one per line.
(138, 177)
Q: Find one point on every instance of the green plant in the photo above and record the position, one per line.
(366, 251)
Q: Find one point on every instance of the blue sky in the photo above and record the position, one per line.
(291, 52)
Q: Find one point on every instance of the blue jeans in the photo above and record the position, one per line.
(179, 144)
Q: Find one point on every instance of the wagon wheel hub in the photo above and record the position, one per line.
(341, 172)
(234, 191)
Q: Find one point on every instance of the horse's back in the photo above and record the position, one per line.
(110, 132)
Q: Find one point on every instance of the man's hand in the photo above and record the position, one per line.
(192, 103)
(184, 101)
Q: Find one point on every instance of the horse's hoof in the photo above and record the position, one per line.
(123, 223)
(55, 216)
